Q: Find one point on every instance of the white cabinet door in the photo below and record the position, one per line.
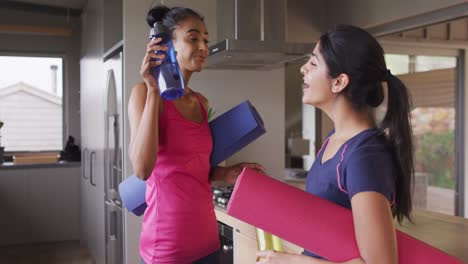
(14, 206)
(245, 249)
(92, 188)
(84, 236)
(92, 131)
(39, 205)
(53, 196)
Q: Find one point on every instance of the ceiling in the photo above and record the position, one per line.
(75, 4)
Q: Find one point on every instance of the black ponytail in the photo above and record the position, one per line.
(355, 52)
(170, 17)
(397, 123)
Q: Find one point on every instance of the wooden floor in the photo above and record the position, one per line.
(70, 252)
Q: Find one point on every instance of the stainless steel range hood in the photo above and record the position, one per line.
(252, 35)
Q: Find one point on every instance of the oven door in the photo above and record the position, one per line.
(226, 255)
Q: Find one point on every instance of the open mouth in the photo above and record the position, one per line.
(305, 86)
(201, 59)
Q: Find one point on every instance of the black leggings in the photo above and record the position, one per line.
(213, 258)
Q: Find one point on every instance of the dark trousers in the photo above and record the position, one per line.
(213, 258)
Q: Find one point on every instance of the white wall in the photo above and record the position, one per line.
(135, 36)
(306, 20)
(265, 90)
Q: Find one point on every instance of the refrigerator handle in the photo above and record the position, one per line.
(113, 208)
(111, 250)
(83, 167)
(91, 164)
(111, 236)
(106, 168)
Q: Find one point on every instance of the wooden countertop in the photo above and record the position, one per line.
(448, 233)
(249, 230)
(58, 164)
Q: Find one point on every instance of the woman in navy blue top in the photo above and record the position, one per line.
(363, 165)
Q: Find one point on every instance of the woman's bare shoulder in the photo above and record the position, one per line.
(204, 100)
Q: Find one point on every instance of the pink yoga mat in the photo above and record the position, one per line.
(311, 222)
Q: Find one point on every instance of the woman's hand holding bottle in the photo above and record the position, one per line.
(151, 60)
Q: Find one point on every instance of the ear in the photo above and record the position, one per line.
(339, 83)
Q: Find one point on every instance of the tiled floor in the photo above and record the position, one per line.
(70, 252)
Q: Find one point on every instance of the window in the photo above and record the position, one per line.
(398, 63)
(31, 90)
(429, 63)
(404, 64)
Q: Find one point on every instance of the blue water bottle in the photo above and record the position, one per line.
(168, 74)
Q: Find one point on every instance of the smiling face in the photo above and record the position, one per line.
(317, 87)
(191, 44)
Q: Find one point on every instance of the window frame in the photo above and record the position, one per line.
(64, 95)
(461, 118)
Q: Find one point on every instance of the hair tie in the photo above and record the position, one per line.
(387, 75)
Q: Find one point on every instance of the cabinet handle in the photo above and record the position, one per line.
(91, 163)
(84, 169)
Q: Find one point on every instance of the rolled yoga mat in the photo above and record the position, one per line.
(313, 223)
(234, 130)
(132, 192)
(231, 132)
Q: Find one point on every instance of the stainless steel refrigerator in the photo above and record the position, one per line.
(114, 215)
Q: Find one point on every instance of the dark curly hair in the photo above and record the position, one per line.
(170, 17)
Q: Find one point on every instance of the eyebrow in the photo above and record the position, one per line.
(195, 30)
(315, 55)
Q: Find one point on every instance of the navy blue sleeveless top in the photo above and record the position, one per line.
(363, 163)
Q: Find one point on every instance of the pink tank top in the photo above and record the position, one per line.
(179, 225)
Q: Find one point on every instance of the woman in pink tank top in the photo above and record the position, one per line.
(170, 148)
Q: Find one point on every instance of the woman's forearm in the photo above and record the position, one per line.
(217, 173)
(144, 146)
(302, 259)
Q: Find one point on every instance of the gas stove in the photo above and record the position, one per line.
(221, 195)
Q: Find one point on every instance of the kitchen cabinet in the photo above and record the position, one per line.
(39, 204)
(53, 199)
(100, 218)
(245, 249)
(92, 90)
(113, 23)
(244, 238)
